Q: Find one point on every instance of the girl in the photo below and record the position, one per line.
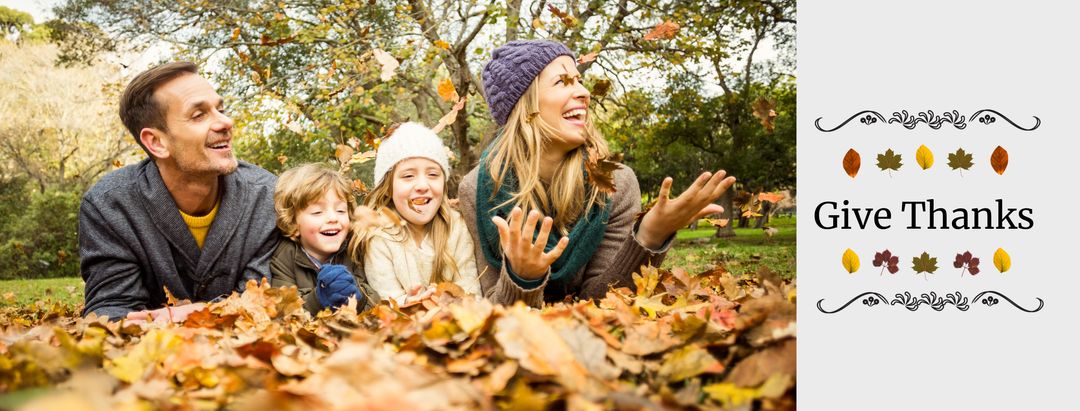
(433, 245)
(314, 204)
(535, 163)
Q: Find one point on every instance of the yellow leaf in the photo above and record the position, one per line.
(442, 44)
(156, 345)
(447, 91)
(924, 157)
(537, 24)
(1002, 260)
(850, 261)
(729, 394)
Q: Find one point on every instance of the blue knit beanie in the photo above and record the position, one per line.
(512, 69)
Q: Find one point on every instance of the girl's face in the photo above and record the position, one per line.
(323, 225)
(418, 190)
(564, 102)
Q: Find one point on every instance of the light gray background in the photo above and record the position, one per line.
(1018, 58)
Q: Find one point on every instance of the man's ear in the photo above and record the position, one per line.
(155, 142)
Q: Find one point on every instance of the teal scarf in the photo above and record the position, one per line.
(585, 236)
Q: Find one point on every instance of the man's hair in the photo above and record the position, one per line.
(300, 186)
(139, 109)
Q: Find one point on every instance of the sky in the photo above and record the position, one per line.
(40, 9)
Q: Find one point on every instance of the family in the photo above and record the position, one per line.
(194, 221)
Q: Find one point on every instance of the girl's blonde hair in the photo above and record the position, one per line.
(517, 150)
(383, 196)
(300, 186)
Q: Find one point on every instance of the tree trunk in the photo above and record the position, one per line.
(729, 213)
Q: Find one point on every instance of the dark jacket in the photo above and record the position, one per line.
(291, 266)
(133, 243)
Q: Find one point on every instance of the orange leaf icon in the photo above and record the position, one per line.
(999, 160)
(852, 161)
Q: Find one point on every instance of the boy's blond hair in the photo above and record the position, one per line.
(300, 186)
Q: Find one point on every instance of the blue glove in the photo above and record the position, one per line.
(336, 285)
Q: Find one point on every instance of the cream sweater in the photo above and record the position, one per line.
(395, 264)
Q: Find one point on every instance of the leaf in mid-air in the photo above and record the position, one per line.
(662, 31)
(601, 170)
(960, 160)
(889, 160)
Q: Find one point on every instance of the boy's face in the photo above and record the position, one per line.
(418, 190)
(323, 225)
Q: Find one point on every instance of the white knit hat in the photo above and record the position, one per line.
(408, 141)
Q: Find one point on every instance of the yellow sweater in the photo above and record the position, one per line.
(200, 225)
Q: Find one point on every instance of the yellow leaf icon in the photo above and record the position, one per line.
(1002, 260)
(924, 157)
(851, 261)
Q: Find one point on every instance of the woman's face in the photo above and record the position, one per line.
(564, 102)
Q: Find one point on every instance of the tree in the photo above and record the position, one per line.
(14, 21)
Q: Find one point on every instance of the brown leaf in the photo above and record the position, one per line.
(601, 170)
(662, 31)
(343, 153)
(587, 58)
(764, 110)
(753, 370)
(450, 117)
(999, 160)
(282, 159)
(718, 222)
(526, 337)
(600, 88)
(117, 164)
(852, 162)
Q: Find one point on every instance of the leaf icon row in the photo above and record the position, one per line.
(924, 263)
(959, 160)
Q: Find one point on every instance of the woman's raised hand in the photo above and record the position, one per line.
(526, 257)
(669, 215)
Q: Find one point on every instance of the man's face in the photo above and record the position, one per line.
(199, 136)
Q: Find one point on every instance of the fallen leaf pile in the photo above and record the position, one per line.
(681, 341)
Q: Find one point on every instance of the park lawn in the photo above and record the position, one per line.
(697, 251)
(65, 289)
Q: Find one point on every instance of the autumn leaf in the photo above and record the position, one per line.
(600, 88)
(850, 260)
(450, 117)
(566, 18)
(924, 157)
(967, 263)
(770, 197)
(886, 261)
(718, 222)
(343, 153)
(889, 161)
(1002, 260)
(282, 159)
(924, 263)
(662, 31)
(388, 62)
(442, 44)
(600, 170)
(960, 160)
(999, 159)
(117, 164)
(446, 90)
(851, 162)
(537, 24)
(587, 58)
(764, 110)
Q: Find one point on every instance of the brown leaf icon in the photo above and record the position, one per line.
(999, 160)
(852, 161)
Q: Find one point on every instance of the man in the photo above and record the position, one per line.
(190, 219)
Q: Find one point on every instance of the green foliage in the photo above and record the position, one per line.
(39, 236)
(14, 21)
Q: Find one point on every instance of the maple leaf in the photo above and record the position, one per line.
(600, 170)
(764, 110)
(889, 161)
(924, 263)
(662, 31)
(960, 160)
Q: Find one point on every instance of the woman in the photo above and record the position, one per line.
(588, 241)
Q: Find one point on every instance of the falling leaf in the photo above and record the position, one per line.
(537, 24)
(442, 44)
(235, 34)
(718, 222)
(850, 261)
(601, 170)
(764, 110)
(852, 162)
(566, 19)
(924, 157)
(662, 31)
(999, 159)
(960, 160)
(295, 128)
(600, 88)
(359, 186)
(446, 90)
(587, 58)
(117, 164)
(282, 159)
(388, 62)
(343, 153)
(889, 161)
(770, 197)
(361, 158)
(924, 263)
(1002, 261)
(450, 117)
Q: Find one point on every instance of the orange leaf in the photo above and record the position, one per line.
(282, 159)
(447, 91)
(770, 197)
(764, 111)
(449, 118)
(442, 44)
(662, 31)
(586, 58)
(999, 160)
(852, 162)
(343, 153)
(718, 222)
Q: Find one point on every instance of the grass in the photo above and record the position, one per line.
(697, 250)
(65, 289)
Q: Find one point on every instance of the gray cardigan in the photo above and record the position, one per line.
(133, 242)
(619, 255)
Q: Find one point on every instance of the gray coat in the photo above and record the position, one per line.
(133, 243)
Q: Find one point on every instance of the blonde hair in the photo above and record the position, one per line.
(300, 186)
(383, 196)
(517, 150)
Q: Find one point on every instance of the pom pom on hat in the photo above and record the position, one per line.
(409, 140)
(512, 68)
